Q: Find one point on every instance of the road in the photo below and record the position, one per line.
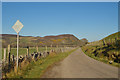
(79, 65)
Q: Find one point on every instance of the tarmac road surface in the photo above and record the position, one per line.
(79, 65)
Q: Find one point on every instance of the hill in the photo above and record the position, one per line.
(113, 36)
(61, 40)
(106, 49)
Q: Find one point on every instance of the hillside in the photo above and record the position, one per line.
(113, 36)
(106, 49)
(61, 40)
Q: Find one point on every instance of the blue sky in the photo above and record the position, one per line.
(91, 20)
(60, 0)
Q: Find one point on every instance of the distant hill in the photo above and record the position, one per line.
(61, 40)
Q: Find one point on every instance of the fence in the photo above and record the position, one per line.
(9, 60)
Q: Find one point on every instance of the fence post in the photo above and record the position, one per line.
(64, 48)
(46, 49)
(51, 46)
(9, 49)
(37, 48)
(116, 42)
(4, 55)
(27, 51)
(109, 41)
(103, 42)
(13, 61)
(13, 58)
(56, 48)
(9, 61)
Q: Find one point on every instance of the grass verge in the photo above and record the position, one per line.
(102, 59)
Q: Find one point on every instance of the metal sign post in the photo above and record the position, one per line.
(17, 27)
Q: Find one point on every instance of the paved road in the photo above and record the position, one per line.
(78, 65)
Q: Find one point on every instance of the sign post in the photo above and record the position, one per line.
(17, 27)
(17, 48)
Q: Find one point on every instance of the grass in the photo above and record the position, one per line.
(36, 69)
(23, 51)
(89, 50)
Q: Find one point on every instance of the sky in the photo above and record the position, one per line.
(91, 20)
(60, 0)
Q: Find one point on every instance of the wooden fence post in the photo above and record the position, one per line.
(4, 55)
(9, 61)
(51, 46)
(103, 42)
(46, 49)
(27, 51)
(37, 48)
(109, 41)
(56, 48)
(115, 40)
(64, 48)
(13, 59)
(9, 49)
